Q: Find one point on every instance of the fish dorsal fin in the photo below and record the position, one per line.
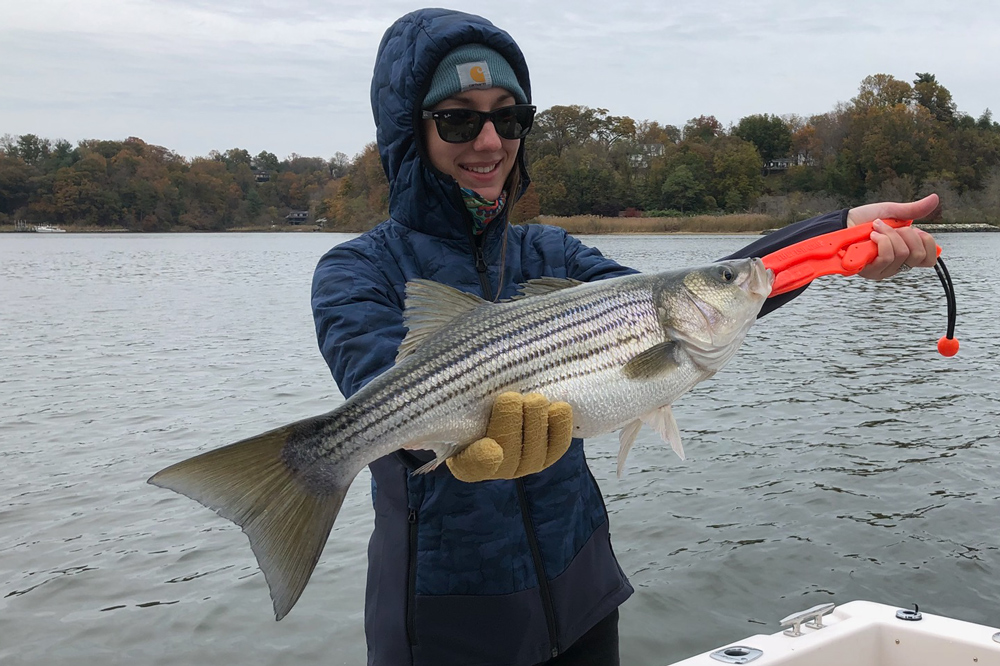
(653, 362)
(429, 306)
(545, 285)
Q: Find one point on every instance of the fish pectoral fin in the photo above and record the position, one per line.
(662, 421)
(250, 484)
(653, 362)
(429, 306)
(545, 285)
(626, 438)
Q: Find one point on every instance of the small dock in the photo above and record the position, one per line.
(933, 228)
(22, 226)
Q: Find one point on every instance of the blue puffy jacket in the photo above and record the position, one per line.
(492, 573)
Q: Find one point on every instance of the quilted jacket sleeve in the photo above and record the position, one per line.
(358, 315)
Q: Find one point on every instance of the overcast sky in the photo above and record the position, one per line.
(292, 76)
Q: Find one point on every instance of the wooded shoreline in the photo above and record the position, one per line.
(579, 225)
(591, 172)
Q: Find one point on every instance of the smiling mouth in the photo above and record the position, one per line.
(482, 169)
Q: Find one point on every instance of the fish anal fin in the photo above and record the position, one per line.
(662, 421)
(626, 438)
(653, 362)
(286, 520)
(429, 306)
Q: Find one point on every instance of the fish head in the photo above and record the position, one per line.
(708, 310)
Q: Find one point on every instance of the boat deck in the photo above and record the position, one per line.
(863, 633)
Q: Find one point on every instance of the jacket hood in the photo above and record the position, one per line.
(420, 196)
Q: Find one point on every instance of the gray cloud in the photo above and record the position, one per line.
(293, 75)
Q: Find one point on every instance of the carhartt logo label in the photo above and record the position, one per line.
(474, 75)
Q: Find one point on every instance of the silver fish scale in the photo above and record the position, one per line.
(566, 348)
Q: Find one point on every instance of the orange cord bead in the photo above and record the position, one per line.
(948, 346)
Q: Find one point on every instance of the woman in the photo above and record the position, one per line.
(518, 568)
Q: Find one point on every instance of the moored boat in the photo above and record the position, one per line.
(863, 633)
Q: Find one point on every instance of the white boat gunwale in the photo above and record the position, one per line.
(863, 633)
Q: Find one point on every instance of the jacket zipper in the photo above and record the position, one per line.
(522, 497)
(481, 268)
(477, 248)
(411, 586)
(536, 556)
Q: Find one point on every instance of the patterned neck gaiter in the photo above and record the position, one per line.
(483, 210)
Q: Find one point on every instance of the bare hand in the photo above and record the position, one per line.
(909, 245)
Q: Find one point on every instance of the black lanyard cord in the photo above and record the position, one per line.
(947, 345)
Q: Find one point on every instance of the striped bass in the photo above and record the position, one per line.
(619, 351)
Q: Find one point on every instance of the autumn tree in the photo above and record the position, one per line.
(549, 176)
(737, 180)
(339, 165)
(769, 134)
(682, 190)
(880, 91)
(934, 97)
(652, 132)
(265, 161)
(15, 184)
(893, 139)
(559, 127)
(680, 179)
(704, 128)
(360, 198)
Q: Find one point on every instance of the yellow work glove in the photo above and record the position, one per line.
(526, 434)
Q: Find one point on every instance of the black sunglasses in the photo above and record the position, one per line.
(463, 125)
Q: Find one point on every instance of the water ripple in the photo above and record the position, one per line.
(838, 457)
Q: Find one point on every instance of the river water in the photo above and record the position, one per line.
(838, 457)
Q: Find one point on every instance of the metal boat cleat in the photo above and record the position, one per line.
(812, 617)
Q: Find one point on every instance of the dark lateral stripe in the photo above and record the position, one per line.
(429, 389)
(449, 369)
(446, 377)
(576, 365)
(445, 366)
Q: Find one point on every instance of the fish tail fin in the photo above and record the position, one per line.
(249, 483)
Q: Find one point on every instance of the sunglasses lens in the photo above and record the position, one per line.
(458, 126)
(463, 125)
(513, 122)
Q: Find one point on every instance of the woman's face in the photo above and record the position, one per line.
(483, 163)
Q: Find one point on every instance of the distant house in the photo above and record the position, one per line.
(262, 176)
(778, 164)
(642, 153)
(297, 217)
(784, 163)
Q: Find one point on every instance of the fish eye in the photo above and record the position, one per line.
(727, 274)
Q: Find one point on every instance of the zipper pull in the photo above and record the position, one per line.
(480, 260)
(411, 518)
